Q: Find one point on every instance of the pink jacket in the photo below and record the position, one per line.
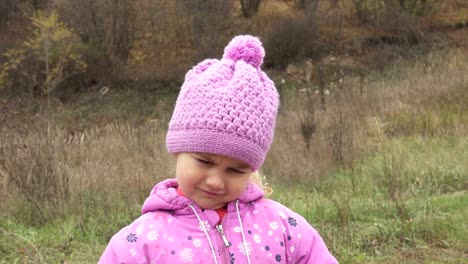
(173, 229)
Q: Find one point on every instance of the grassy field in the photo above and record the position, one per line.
(404, 204)
(383, 177)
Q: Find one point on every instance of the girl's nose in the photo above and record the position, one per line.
(215, 181)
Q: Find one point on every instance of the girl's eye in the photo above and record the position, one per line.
(236, 171)
(207, 162)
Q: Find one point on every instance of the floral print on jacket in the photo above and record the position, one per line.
(173, 229)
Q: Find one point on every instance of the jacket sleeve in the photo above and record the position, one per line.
(116, 252)
(312, 248)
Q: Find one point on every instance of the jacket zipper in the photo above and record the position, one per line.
(224, 252)
(223, 236)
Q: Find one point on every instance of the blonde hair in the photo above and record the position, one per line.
(259, 179)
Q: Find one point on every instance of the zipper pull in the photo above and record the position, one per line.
(221, 231)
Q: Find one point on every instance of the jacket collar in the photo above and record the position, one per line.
(164, 196)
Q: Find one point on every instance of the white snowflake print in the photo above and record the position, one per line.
(132, 252)
(203, 225)
(186, 255)
(276, 239)
(274, 225)
(257, 238)
(163, 252)
(256, 226)
(237, 229)
(291, 249)
(281, 214)
(152, 235)
(299, 236)
(270, 233)
(269, 254)
(139, 229)
(205, 250)
(197, 242)
(245, 249)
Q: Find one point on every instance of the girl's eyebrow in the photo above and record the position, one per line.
(203, 156)
(241, 166)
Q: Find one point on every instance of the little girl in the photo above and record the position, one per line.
(213, 211)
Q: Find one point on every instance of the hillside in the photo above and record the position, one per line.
(370, 142)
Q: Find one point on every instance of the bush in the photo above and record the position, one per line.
(107, 25)
(207, 20)
(291, 39)
(7, 10)
(47, 58)
(399, 19)
(370, 11)
(249, 7)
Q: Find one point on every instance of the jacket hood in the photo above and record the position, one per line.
(164, 197)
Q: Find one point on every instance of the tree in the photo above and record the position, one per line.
(109, 25)
(207, 19)
(47, 58)
(249, 7)
(123, 32)
(7, 10)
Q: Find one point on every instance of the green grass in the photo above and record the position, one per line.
(78, 237)
(404, 203)
(410, 196)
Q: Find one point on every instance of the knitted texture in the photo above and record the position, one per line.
(227, 107)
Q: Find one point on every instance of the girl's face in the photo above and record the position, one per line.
(211, 180)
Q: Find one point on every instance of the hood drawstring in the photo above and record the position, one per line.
(206, 233)
(247, 250)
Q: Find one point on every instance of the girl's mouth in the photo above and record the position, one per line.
(211, 193)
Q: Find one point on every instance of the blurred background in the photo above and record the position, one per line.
(370, 144)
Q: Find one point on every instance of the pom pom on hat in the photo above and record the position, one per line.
(246, 48)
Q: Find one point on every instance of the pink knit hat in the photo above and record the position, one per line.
(227, 107)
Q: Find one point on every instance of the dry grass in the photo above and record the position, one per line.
(48, 171)
(122, 160)
(425, 98)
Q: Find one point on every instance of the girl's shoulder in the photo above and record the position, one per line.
(153, 219)
(271, 222)
(273, 211)
(272, 206)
